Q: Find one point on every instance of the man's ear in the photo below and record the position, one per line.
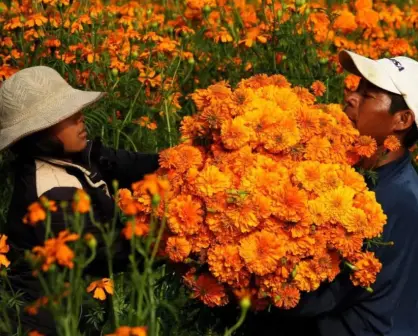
(402, 120)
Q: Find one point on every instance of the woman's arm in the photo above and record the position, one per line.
(124, 166)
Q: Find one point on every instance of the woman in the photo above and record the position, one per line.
(41, 121)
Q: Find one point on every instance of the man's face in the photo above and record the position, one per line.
(368, 109)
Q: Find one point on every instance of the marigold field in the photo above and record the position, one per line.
(256, 200)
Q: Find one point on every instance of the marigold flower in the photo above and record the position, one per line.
(366, 146)
(185, 214)
(366, 268)
(352, 82)
(318, 88)
(35, 333)
(56, 250)
(138, 227)
(81, 203)
(261, 252)
(392, 143)
(4, 248)
(130, 331)
(209, 290)
(100, 288)
(178, 248)
(36, 213)
(33, 309)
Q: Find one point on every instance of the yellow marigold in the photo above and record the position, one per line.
(318, 88)
(178, 248)
(261, 252)
(366, 146)
(100, 288)
(339, 201)
(185, 214)
(392, 143)
(211, 180)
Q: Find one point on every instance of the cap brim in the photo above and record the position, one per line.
(57, 109)
(373, 71)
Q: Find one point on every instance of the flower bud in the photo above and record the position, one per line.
(156, 199)
(115, 72)
(135, 54)
(90, 241)
(299, 3)
(245, 303)
(207, 9)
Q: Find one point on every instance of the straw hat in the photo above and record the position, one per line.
(36, 98)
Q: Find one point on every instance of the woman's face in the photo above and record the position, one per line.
(72, 133)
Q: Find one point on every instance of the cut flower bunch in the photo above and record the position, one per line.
(263, 200)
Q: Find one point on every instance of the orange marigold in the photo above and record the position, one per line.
(366, 268)
(81, 203)
(4, 248)
(318, 88)
(185, 214)
(129, 331)
(366, 146)
(100, 288)
(352, 82)
(392, 143)
(178, 248)
(261, 252)
(56, 250)
(209, 290)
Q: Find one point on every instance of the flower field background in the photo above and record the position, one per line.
(150, 57)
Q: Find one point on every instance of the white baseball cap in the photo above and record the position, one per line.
(397, 75)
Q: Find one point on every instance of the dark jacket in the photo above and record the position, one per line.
(341, 309)
(92, 170)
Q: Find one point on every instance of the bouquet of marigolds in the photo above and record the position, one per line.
(263, 199)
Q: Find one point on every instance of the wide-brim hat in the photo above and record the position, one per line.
(398, 75)
(36, 98)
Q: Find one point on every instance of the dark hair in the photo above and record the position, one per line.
(39, 144)
(398, 104)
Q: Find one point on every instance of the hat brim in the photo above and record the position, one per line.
(49, 113)
(373, 71)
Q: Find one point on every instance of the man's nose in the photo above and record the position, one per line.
(351, 100)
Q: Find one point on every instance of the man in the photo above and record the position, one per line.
(385, 103)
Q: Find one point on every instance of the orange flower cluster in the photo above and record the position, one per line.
(56, 250)
(262, 189)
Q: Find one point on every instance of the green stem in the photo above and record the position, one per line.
(239, 323)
